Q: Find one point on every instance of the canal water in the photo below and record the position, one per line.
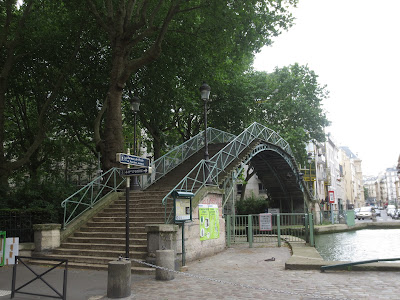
(359, 245)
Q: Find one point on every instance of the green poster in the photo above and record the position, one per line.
(214, 221)
(209, 221)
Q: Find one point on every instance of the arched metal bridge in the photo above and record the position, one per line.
(267, 152)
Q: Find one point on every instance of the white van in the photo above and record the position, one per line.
(390, 209)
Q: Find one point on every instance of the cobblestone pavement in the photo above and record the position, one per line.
(237, 273)
(248, 273)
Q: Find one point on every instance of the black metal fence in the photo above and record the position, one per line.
(17, 223)
(53, 264)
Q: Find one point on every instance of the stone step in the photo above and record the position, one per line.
(102, 254)
(142, 210)
(136, 268)
(102, 240)
(109, 235)
(138, 203)
(132, 219)
(134, 246)
(121, 224)
(108, 230)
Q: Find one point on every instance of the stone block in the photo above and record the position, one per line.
(46, 236)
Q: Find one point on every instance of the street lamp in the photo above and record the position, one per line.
(205, 96)
(135, 104)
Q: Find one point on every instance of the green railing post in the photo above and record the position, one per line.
(278, 225)
(250, 230)
(311, 221)
(228, 230)
(306, 227)
(3, 258)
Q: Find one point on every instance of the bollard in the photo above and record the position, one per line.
(119, 279)
(165, 259)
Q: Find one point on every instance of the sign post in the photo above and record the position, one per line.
(143, 163)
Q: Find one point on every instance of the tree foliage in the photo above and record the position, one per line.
(69, 69)
(289, 101)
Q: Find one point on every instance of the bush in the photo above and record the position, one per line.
(252, 205)
(44, 199)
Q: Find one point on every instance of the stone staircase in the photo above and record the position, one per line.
(102, 239)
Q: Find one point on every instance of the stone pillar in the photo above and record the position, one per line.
(161, 237)
(165, 259)
(119, 279)
(46, 236)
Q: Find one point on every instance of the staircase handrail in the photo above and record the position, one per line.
(86, 197)
(197, 177)
(179, 154)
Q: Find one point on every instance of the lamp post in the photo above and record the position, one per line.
(205, 96)
(135, 105)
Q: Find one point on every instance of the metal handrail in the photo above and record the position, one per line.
(179, 154)
(196, 178)
(85, 198)
(354, 263)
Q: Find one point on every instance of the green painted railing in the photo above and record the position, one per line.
(289, 227)
(335, 217)
(179, 154)
(85, 198)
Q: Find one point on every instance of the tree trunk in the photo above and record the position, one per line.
(113, 138)
(250, 173)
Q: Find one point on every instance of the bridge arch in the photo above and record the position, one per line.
(277, 169)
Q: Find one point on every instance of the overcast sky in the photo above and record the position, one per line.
(354, 48)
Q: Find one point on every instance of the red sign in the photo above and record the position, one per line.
(331, 197)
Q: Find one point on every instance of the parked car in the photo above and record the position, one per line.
(366, 212)
(389, 207)
(356, 211)
(396, 215)
(391, 212)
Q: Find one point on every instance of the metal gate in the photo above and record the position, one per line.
(287, 227)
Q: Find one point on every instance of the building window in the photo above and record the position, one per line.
(239, 188)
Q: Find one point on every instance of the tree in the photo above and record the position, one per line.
(289, 101)
(37, 46)
(136, 31)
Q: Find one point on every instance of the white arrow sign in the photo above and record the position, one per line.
(135, 171)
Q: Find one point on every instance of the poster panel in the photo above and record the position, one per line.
(265, 221)
(209, 221)
(11, 250)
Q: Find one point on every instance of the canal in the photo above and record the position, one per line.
(359, 245)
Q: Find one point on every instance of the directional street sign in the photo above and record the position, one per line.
(128, 159)
(135, 171)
